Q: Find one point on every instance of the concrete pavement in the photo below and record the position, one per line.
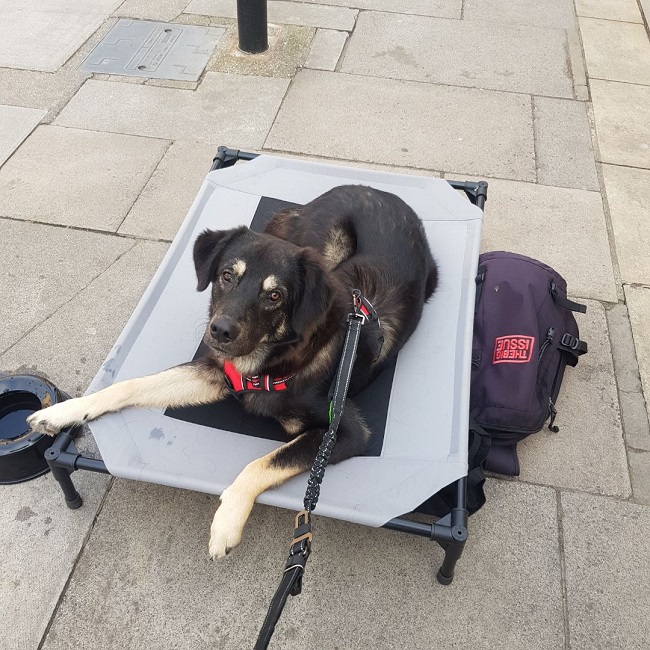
(548, 102)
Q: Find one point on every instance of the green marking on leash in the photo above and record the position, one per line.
(331, 413)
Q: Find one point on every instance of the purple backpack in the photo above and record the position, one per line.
(525, 335)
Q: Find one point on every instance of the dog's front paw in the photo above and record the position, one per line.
(54, 418)
(227, 527)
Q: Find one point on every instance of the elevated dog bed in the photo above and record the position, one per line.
(417, 409)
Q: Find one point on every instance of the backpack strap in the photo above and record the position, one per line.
(563, 301)
(478, 451)
(480, 281)
(573, 346)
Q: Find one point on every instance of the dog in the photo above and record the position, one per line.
(277, 323)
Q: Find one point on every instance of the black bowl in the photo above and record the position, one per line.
(22, 451)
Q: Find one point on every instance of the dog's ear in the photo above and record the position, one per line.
(315, 294)
(208, 249)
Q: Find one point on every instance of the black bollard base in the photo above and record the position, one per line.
(252, 26)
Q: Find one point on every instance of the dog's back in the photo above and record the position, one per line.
(374, 242)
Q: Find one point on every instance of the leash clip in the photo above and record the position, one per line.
(302, 535)
(357, 304)
(363, 307)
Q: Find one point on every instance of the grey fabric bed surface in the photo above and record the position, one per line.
(418, 410)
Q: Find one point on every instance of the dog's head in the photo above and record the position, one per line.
(266, 293)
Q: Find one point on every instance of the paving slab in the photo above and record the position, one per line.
(577, 63)
(41, 540)
(616, 51)
(44, 38)
(634, 415)
(16, 123)
(163, 204)
(625, 10)
(635, 421)
(554, 13)
(163, 83)
(355, 163)
(640, 475)
(645, 8)
(622, 116)
(565, 157)
(70, 345)
(63, 6)
(42, 90)
(485, 55)
(638, 304)
(439, 8)
(434, 135)
(134, 80)
(288, 49)
(588, 453)
(608, 585)
(582, 92)
(629, 209)
(238, 110)
(326, 49)
(152, 540)
(43, 267)
(47, 90)
(626, 369)
(81, 178)
(553, 224)
(282, 12)
(151, 9)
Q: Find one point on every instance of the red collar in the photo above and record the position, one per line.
(239, 383)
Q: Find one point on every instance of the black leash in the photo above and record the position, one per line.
(291, 582)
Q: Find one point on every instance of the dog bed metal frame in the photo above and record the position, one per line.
(450, 532)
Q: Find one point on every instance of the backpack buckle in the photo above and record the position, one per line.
(570, 342)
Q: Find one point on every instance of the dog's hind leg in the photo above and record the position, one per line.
(274, 469)
(192, 383)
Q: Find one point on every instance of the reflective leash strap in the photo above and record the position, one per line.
(355, 321)
(291, 582)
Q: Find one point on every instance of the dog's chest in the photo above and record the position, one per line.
(265, 404)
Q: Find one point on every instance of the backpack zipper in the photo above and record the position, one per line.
(550, 335)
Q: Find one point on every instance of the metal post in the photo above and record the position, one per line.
(252, 27)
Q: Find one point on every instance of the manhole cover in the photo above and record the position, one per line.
(139, 48)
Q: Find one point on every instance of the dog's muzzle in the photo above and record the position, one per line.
(224, 331)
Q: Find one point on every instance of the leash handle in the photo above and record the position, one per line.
(287, 586)
(291, 582)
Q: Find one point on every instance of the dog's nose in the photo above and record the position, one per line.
(224, 330)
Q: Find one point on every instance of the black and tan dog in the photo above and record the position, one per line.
(276, 327)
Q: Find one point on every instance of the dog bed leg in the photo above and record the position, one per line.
(55, 459)
(451, 533)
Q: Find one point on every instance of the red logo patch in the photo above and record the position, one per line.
(513, 349)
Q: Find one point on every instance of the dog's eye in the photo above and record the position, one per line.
(274, 296)
(226, 276)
